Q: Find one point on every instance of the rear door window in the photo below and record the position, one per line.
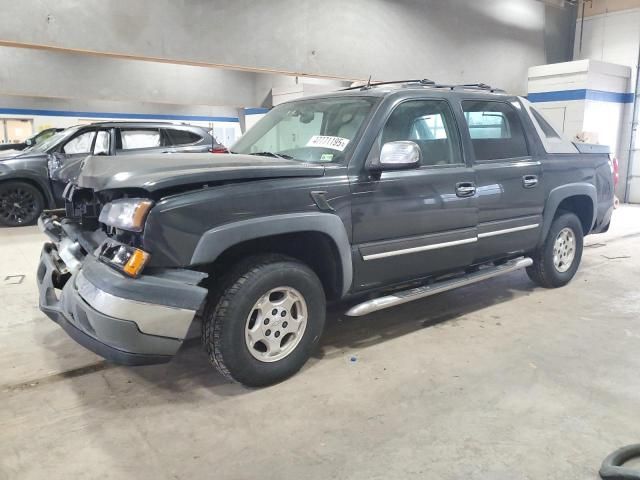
(138, 138)
(181, 137)
(495, 129)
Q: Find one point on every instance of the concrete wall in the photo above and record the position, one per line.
(492, 41)
(59, 74)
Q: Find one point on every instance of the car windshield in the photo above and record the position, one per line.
(317, 130)
(51, 141)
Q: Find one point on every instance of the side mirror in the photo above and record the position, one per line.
(397, 156)
(29, 142)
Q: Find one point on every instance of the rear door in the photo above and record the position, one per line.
(509, 179)
(409, 224)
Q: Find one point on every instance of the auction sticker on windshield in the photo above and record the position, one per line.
(325, 141)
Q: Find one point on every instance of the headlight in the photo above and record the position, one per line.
(127, 213)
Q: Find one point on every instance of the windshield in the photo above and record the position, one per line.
(307, 130)
(51, 141)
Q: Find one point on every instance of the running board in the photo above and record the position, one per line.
(412, 294)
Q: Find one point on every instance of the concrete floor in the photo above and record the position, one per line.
(500, 380)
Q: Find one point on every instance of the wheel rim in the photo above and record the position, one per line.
(17, 205)
(564, 250)
(276, 324)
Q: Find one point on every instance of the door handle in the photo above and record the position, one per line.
(529, 181)
(465, 189)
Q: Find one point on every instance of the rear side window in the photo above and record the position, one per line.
(495, 130)
(135, 138)
(181, 137)
(546, 128)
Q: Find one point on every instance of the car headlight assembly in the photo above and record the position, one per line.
(126, 213)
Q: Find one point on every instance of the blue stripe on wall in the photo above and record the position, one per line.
(132, 116)
(255, 111)
(581, 94)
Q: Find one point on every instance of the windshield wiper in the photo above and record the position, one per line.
(271, 154)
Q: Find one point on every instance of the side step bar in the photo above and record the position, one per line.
(412, 294)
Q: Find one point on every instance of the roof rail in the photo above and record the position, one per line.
(480, 86)
(472, 86)
(424, 81)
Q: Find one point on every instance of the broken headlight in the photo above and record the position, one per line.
(126, 213)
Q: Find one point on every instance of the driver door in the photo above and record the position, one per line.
(410, 224)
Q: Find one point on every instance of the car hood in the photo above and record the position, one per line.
(153, 172)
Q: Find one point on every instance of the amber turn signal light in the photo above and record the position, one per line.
(136, 262)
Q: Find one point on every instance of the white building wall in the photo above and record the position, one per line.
(615, 37)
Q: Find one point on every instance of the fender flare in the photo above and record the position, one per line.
(22, 175)
(215, 241)
(558, 194)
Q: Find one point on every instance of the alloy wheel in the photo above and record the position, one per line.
(276, 324)
(17, 205)
(564, 250)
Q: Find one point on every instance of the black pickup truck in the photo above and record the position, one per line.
(380, 195)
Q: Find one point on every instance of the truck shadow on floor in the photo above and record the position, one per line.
(190, 370)
(447, 309)
(344, 335)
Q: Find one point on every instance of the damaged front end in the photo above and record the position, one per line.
(95, 285)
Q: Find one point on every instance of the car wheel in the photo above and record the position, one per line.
(557, 260)
(264, 322)
(20, 204)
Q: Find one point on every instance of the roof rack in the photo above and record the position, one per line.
(425, 82)
(368, 85)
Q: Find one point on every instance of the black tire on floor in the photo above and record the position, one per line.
(544, 271)
(20, 204)
(230, 310)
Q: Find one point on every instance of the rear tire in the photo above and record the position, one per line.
(556, 261)
(20, 204)
(264, 321)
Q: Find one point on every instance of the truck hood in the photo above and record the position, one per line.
(153, 172)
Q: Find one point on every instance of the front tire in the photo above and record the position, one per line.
(20, 204)
(556, 262)
(264, 322)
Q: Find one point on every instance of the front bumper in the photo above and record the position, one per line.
(127, 321)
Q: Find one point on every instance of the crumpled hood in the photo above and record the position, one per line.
(153, 172)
